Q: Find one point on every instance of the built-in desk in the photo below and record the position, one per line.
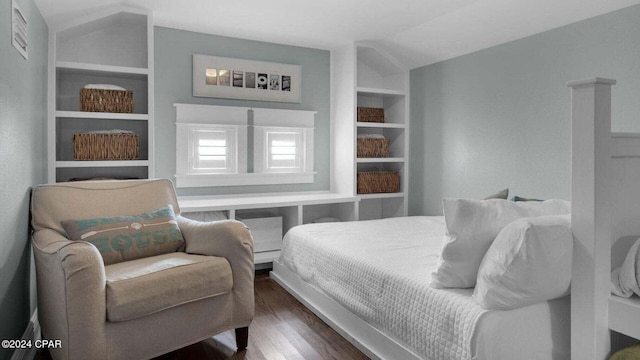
(263, 212)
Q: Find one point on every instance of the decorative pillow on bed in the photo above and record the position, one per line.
(520, 198)
(123, 238)
(472, 225)
(504, 194)
(529, 262)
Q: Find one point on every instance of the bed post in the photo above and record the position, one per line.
(590, 217)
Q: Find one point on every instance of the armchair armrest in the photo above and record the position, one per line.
(71, 283)
(226, 238)
(232, 240)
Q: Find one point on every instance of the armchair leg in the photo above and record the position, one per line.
(242, 337)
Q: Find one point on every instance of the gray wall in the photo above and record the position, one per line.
(499, 118)
(173, 73)
(23, 86)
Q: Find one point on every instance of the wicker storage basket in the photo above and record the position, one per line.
(375, 115)
(97, 146)
(373, 148)
(99, 100)
(370, 182)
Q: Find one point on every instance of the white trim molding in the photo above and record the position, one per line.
(247, 132)
(206, 180)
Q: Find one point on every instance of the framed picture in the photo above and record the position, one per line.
(229, 78)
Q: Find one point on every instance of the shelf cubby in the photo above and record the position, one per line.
(382, 82)
(110, 47)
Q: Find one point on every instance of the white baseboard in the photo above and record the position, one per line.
(32, 332)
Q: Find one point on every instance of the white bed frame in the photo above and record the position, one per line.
(605, 206)
(605, 194)
(360, 333)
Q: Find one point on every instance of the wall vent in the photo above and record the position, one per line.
(19, 33)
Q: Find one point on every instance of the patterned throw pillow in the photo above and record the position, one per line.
(123, 238)
(504, 194)
(520, 198)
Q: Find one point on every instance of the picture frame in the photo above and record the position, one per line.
(230, 78)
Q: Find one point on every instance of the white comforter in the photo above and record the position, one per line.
(384, 278)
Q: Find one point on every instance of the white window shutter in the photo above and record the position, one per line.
(285, 149)
(214, 150)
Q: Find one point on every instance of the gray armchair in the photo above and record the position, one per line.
(138, 305)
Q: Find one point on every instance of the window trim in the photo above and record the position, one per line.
(261, 160)
(190, 117)
(207, 180)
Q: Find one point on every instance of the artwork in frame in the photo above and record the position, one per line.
(230, 78)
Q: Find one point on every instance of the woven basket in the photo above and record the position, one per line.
(375, 115)
(91, 146)
(373, 148)
(371, 182)
(114, 101)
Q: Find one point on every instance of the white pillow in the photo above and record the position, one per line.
(624, 280)
(472, 225)
(529, 262)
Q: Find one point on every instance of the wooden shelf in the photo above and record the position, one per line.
(253, 201)
(380, 125)
(624, 314)
(378, 91)
(102, 115)
(265, 256)
(381, 196)
(98, 68)
(381, 160)
(102, 163)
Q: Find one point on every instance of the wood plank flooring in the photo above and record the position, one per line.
(283, 329)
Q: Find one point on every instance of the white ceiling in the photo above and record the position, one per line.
(418, 32)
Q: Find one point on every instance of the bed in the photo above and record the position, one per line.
(395, 314)
(379, 270)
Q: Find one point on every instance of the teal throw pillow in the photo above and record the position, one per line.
(122, 238)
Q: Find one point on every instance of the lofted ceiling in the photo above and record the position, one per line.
(418, 32)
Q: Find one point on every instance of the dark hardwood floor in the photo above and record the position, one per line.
(282, 329)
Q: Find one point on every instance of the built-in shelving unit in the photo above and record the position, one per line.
(113, 47)
(291, 209)
(382, 82)
(365, 75)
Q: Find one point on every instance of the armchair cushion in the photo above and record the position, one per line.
(145, 286)
(122, 238)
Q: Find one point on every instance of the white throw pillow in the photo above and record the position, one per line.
(472, 225)
(624, 280)
(529, 262)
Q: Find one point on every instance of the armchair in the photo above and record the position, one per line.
(129, 296)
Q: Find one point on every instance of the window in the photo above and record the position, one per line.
(283, 141)
(213, 149)
(283, 151)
